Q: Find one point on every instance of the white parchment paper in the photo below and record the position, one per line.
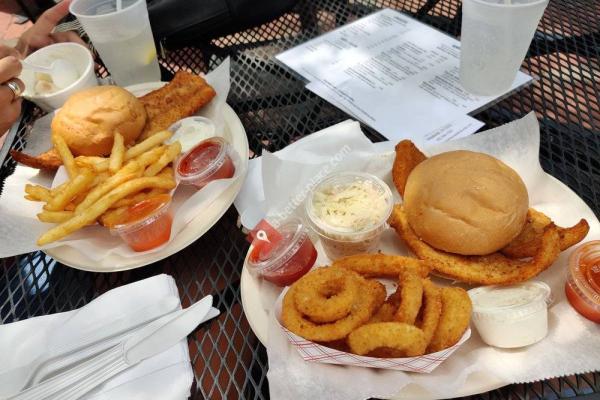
(572, 345)
(19, 227)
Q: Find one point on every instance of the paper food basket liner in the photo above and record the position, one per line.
(314, 352)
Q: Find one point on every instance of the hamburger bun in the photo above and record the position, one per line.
(465, 202)
(89, 119)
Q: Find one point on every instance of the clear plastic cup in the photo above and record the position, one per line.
(209, 160)
(287, 260)
(366, 219)
(150, 231)
(122, 37)
(494, 40)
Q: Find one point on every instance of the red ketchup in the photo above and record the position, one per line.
(583, 280)
(147, 224)
(283, 256)
(207, 161)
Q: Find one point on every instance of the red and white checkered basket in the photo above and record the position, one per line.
(310, 351)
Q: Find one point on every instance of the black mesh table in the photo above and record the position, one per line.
(228, 360)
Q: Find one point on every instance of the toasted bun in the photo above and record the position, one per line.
(89, 119)
(465, 202)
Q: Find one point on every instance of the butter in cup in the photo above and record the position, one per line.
(349, 212)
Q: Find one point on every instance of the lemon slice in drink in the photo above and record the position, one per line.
(149, 55)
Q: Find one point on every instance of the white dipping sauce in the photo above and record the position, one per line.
(191, 131)
(511, 316)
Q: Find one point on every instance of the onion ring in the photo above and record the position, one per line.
(454, 319)
(382, 265)
(431, 310)
(411, 296)
(398, 336)
(326, 294)
(370, 297)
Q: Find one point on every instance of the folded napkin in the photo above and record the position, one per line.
(165, 376)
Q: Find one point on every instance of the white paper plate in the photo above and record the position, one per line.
(252, 303)
(234, 132)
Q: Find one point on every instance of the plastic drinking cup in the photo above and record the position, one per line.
(494, 41)
(123, 38)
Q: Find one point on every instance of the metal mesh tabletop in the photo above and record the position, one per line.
(228, 360)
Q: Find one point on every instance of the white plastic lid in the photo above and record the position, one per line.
(510, 302)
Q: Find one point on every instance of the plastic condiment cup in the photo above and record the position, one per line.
(148, 232)
(341, 241)
(288, 259)
(511, 316)
(583, 280)
(209, 160)
(76, 54)
(190, 131)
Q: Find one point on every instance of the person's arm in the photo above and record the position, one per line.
(41, 35)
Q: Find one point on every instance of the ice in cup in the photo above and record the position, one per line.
(349, 212)
(494, 40)
(209, 160)
(147, 224)
(123, 38)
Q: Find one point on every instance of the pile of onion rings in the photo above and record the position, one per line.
(341, 308)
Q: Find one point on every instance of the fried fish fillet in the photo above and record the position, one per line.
(530, 238)
(180, 98)
(49, 160)
(408, 156)
(493, 269)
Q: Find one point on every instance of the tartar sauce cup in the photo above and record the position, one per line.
(583, 280)
(209, 160)
(190, 131)
(349, 212)
(287, 260)
(147, 224)
(511, 316)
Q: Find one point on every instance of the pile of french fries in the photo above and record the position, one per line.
(102, 189)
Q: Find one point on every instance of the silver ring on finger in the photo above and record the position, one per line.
(15, 87)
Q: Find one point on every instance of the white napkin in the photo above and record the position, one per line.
(20, 228)
(572, 345)
(165, 376)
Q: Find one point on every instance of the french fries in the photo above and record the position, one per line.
(129, 171)
(101, 189)
(167, 157)
(90, 214)
(38, 193)
(74, 187)
(65, 155)
(55, 216)
(117, 154)
(147, 144)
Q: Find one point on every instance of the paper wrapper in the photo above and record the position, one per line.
(314, 352)
(20, 228)
(572, 345)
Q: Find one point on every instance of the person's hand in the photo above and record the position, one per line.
(10, 103)
(41, 35)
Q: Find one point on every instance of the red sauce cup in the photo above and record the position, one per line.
(207, 161)
(286, 261)
(148, 224)
(583, 280)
